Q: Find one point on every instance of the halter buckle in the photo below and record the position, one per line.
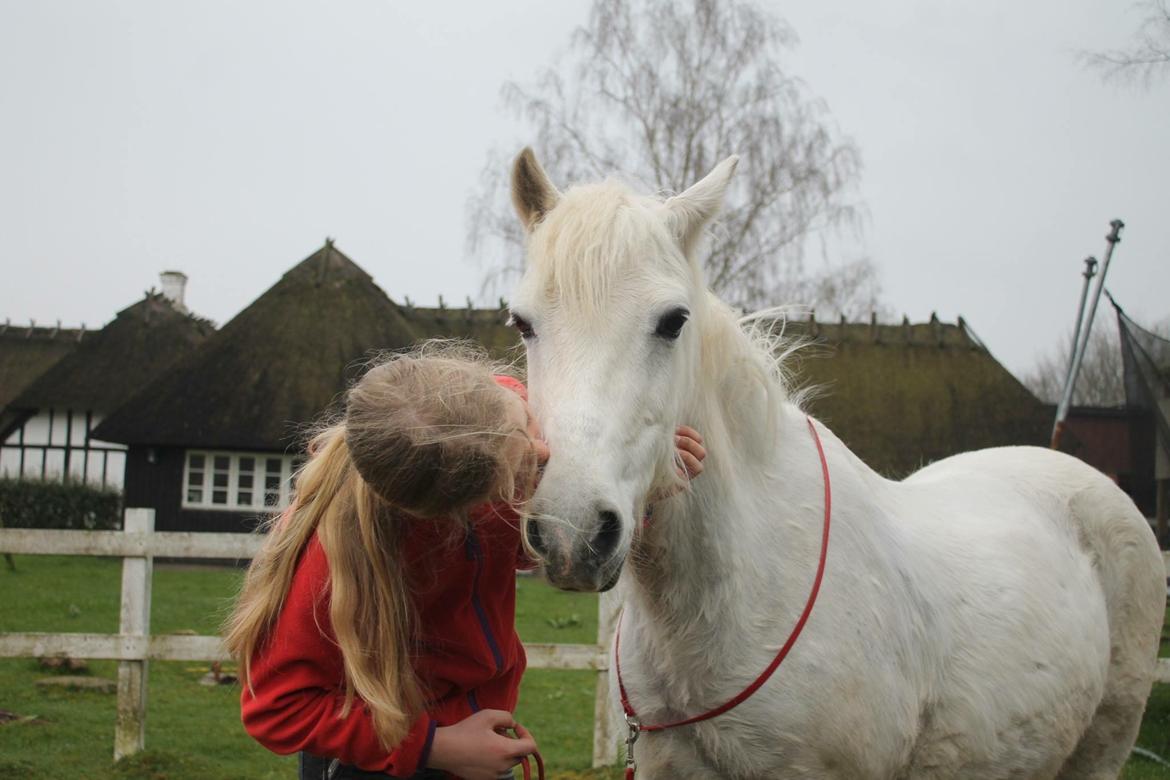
(635, 729)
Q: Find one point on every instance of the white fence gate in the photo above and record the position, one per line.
(134, 646)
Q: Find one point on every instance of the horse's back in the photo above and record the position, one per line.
(1055, 587)
(1063, 496)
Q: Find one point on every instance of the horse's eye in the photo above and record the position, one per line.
(522, 326)
(670, 325)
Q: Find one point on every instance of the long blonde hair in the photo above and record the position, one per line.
(425, 435)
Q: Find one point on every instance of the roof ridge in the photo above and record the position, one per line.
(326, 264)
(10, 330)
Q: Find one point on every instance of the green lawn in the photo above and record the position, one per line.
(193, 731)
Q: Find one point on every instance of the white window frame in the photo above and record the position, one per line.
(288, 467)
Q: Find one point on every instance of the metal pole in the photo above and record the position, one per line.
(1089, 273)
(1066, 398)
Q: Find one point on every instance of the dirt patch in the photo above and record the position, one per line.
(8, 716)
(74, 683)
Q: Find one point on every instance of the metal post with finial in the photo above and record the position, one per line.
(1089, 272)
(1081, 341)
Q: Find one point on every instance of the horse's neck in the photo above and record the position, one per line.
(749, 530)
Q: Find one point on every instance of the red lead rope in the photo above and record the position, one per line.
(636, 727)
(527, 768)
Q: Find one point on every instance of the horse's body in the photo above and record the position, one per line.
(995, 615)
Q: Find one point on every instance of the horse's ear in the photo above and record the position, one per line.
(690, 211)
(533, 194)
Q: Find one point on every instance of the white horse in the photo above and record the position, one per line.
(995, 615)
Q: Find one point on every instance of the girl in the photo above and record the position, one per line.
(375, 629)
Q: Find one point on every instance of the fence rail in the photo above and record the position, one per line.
(134, 646)
(183, 647)
(131, 544)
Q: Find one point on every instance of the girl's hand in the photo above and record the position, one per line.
(476, 747)
(691, 452)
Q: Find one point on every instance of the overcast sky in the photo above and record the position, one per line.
(228, 139)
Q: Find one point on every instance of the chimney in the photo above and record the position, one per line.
(174, 287)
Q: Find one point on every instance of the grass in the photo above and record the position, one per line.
(193, 731)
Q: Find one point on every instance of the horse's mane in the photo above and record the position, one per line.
(767, 330)
(746, 377)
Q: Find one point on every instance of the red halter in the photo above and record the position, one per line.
(636, 727)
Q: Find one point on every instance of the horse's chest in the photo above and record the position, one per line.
(803, 723)
(743, 748)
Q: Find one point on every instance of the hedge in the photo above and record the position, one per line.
(37, 504)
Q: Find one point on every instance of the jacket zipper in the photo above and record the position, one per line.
(475, 552)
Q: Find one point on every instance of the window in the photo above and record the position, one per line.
(235, 481)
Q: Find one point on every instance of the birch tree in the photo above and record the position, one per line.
(1147, 57)
(662, 91)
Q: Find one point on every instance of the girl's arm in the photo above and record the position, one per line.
(294, 698)
(309, 720)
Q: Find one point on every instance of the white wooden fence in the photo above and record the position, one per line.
(134, 646)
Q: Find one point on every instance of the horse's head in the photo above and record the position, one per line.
(608, 308)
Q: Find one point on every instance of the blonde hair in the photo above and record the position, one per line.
(426, 434)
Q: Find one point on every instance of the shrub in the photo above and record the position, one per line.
(69, 505)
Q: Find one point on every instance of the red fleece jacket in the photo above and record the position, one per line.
(464, 595)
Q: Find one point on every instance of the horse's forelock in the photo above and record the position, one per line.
(597, 236)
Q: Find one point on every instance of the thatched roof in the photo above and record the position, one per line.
(114, 363)
(487, 327)
(27, 352)
(899, 395)
(904, 395)
(283, 360)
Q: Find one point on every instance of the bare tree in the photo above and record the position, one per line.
(663, 90)
(1147, 58)
(1100, 382)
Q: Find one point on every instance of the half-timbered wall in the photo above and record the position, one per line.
(56, 442)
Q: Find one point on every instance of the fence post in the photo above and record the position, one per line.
(604, 735)
(8, 556)
(130, 729)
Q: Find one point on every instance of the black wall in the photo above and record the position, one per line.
(159, 486)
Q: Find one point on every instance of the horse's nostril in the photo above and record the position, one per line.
(532, 531)
(609, 530)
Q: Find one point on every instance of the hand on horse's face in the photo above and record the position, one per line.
(691, 453)
(531, 452)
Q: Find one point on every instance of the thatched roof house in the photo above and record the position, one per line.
(26, 352)
(214, 441)
(279, 363)
(51, 420)
(111, 365)
(904, 395)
